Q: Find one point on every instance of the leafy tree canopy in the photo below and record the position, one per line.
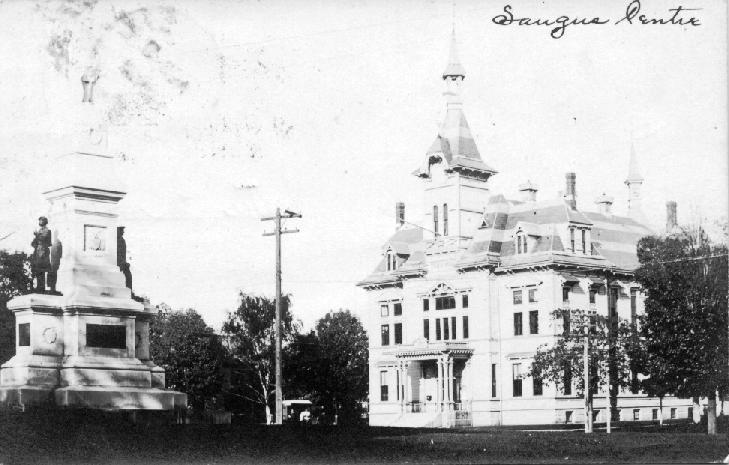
(191, 354)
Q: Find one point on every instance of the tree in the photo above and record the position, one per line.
(250, 334)
(343, 375)
(191, 354)
(15, 279)
(685, 328)
(562, 362)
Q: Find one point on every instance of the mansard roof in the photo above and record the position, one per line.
(612, 246)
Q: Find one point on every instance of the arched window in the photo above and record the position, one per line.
(521, 242)
(445, 219)
(391, 260)
(435, 219)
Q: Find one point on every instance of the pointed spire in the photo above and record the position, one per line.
(454, 69)
(633, 172)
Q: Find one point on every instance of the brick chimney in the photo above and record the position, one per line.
(400, 213)
(571, 190)
(604, 204)
(671, 219)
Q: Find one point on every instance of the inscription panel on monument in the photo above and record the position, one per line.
(106, 336)
(94, 238)
(24, 334)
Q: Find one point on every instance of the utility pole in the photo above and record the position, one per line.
(586, 350)
(277, 232)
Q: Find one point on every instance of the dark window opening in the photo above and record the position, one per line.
(445, 303)
(385, 333)
(565, 294)
(537, 385)
(567, 381)
(446, 334)
(517, 297)
(534, 322)
(383, 386)
(517, 324)
(426, 305)
(435, 219)
(633, 305)
(437, 329)
(398, 333)
(566, 323)
(493, 380)
(465, 327)
(453, 328)
(464, 301)
(445, 219)
(584, 241)
(426, 329)
(516, 379)
(593, 292)
(397, 309)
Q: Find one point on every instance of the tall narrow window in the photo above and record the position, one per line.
(391, 260)
(567, 381)
(565, 294)
(516, 379)
(633, 305)
(384, 310)
(572, 239)
(613, 306)
(435, 219)
(385, 333)
(518, 244)
(532, 295)
(398, 333)
(584, 241)
(426, 304)
(446, 333)
(493, 380)
(536, 385)
(566, 323)
(593, 292)
(517, 324)
(464, 301)
(445, 219)
(534, 322)
(465, 327)
(524, 238)
(426, 329)
(437, 329)
(517, 297)
(383, 386)
(397, 309)
(453, 328)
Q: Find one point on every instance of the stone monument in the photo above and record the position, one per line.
(85, 345)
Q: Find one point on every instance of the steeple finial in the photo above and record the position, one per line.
(455, 69)
(633, 171)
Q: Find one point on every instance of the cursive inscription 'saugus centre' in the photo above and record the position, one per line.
(632, 16)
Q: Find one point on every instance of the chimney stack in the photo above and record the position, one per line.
(528, 192)
(571, 192)
(605, 204)
(400, 213)
(671, 221)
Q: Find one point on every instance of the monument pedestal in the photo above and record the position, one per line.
(89, 346)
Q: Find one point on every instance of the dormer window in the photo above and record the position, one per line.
(391, 258)
(584, 243)
(572, 239)
(521, 242)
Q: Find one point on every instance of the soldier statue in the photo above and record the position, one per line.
(40, 261)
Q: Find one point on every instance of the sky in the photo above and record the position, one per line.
(220, 111)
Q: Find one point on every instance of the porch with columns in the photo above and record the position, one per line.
(429, 381)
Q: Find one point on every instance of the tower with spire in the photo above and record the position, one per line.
(455, 175)
(634, 183)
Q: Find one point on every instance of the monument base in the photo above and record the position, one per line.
(85, 357)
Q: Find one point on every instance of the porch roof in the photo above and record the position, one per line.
(433, 350)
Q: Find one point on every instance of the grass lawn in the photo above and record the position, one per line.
(106, 438)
